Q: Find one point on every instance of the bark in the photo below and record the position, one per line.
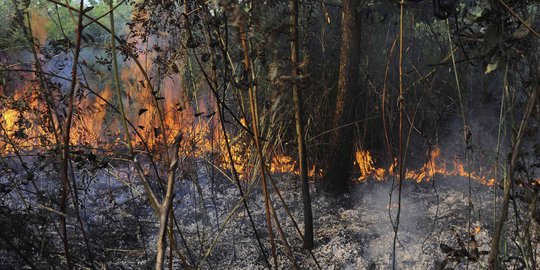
(342, 141)
(64, 161)
(299, 117)
(165, 207)
(255, 126)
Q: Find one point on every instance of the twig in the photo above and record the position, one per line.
(519, 18)
(401, 103)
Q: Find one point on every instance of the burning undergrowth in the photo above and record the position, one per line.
(87, 165)
(447, 206)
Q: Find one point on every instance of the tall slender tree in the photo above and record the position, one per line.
(342, 140)
(299, 117)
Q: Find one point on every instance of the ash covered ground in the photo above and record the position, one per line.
(352, 231)
(355, 231)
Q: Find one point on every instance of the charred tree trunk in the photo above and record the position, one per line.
(342, 140)
(299, 117)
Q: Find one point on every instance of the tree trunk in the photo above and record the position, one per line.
(64, 160)
(256, 138)
(302, 152)
(342, 141)
(493, 258)
(165, 207)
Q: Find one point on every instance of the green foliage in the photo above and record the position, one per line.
(54, 21)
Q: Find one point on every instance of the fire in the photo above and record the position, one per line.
(92, 112)
(157, 116)
(97, 125)
(156, 112)
(20, 118)
(282, 164)
(436, 165)
(365, 163)
(315, 172)
(204, 137)
(9, 117)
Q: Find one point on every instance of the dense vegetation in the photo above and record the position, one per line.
(123, 121)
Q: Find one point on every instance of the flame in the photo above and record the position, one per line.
(436, 165)
(9, 118)
(282, 164)
(20, 120)
(311, 171)
(95, 126)
(365, 163)
(92, 113)
(159, 115)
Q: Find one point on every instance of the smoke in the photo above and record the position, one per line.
(431, 214)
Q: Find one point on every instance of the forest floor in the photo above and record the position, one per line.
(352, 231)
(361, 236)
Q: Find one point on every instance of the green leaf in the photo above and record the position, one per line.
(491, 67)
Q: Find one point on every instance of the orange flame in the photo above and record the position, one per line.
(282, 164)
(202, 131)
(435, 165)
(365, 163)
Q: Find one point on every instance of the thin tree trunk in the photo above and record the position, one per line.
(255, 123)
(493, 258)
(299, 117)
(165, 207)
(342, 142)
(401, 146)
(64, 161)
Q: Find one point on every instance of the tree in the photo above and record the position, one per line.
(299, 117)
(342, 140)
